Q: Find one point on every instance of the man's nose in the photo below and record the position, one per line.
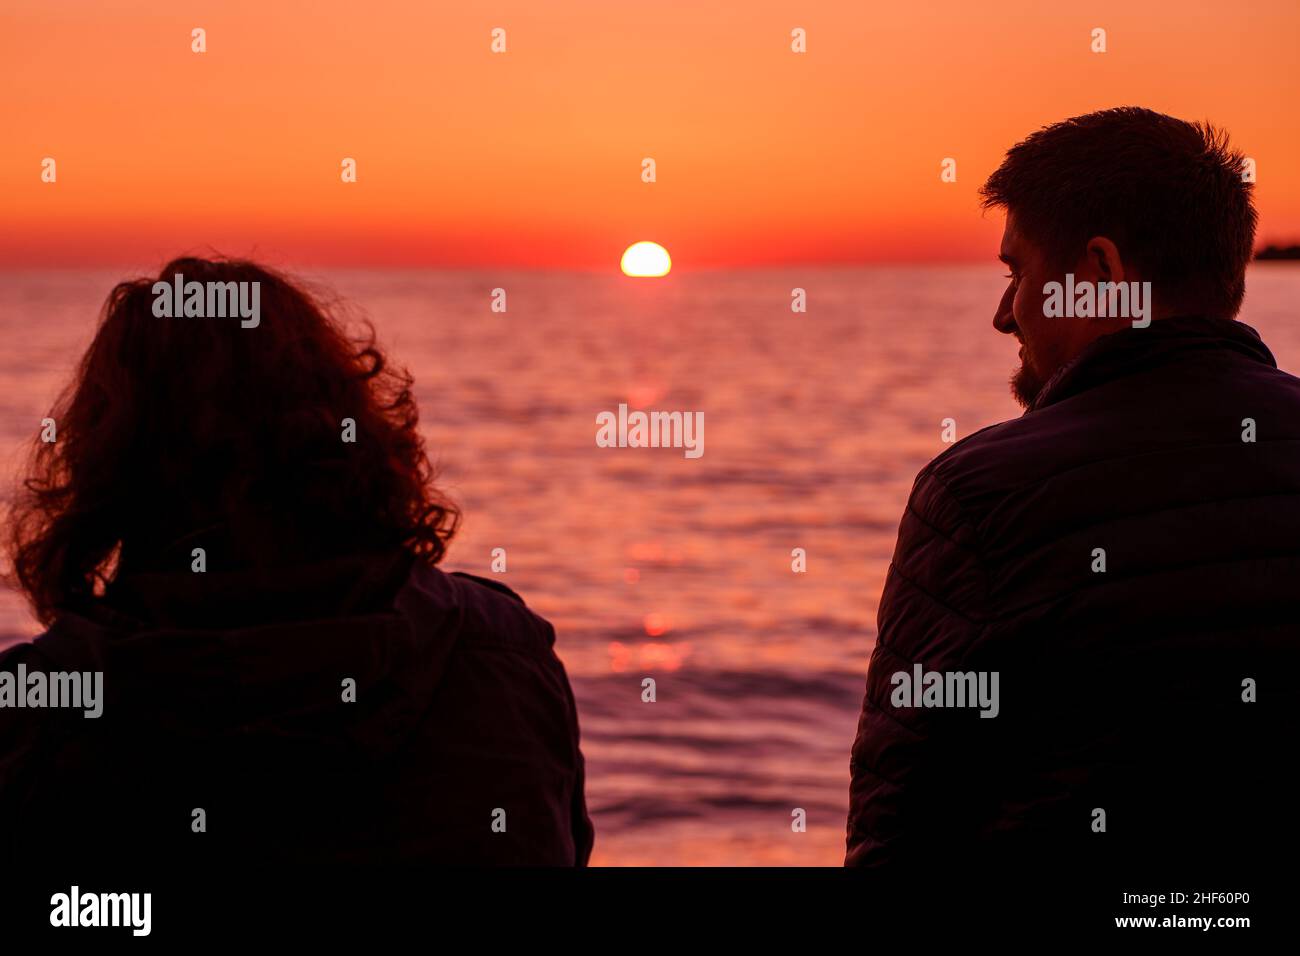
(1004, 319)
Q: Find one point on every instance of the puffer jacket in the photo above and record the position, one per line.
(367, 709)
(1125, 557)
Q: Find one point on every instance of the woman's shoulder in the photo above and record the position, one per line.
(487, 613)
(475, 580)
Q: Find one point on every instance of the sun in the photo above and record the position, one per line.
(647, 260)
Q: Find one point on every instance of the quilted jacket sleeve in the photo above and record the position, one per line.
(907, 763)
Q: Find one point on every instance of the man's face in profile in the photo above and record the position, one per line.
(1049, 343)
(1020, 313)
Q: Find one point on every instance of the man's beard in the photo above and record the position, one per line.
(1025, 385)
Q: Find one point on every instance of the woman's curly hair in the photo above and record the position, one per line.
(174, 427)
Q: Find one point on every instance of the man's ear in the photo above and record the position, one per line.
(1103, 256)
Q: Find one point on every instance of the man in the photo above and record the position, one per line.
(1086, 639)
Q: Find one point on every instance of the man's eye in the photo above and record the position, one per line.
(1012, 276)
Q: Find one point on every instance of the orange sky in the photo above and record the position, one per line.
(533, 157)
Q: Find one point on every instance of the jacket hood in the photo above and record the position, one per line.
(268, 652)
(1132, 349)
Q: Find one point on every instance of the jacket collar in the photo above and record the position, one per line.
(331, 586)
(1137, 349)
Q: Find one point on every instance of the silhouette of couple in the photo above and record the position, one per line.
(284, 662)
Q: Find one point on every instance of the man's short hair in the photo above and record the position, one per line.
(1170, 194)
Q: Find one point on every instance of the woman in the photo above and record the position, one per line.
(235, 524)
